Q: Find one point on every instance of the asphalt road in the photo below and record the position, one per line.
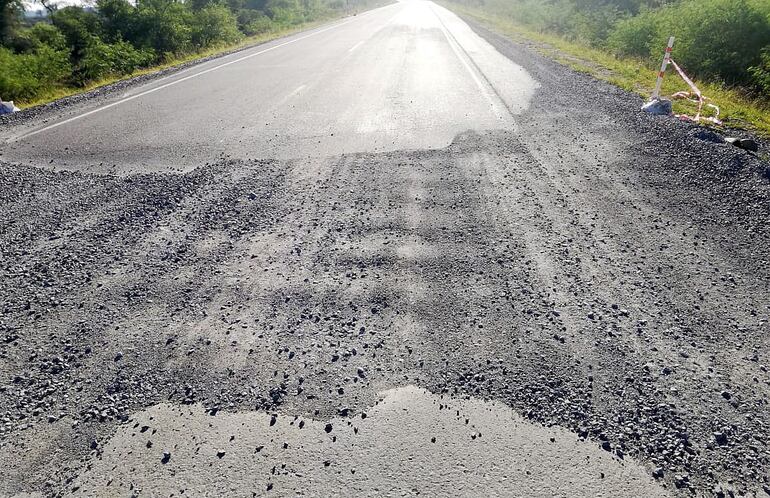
(433, 262)
(410, 75)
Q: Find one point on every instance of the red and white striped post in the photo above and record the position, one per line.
(666, 60)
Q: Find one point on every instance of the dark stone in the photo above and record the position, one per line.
(720, 438)
(708, 136)
(743, 143)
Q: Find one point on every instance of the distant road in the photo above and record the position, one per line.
(409, 75)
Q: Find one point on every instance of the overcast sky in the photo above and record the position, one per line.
(33, 6)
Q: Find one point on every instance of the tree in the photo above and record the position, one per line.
(213, 25)
(49, 5)
(10, 15)
(78, 26)
(119, 19)
(164, 26)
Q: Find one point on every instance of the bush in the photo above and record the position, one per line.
(49, 35)
(164, 26)
(78, 26)
(760, 74)
(284, 12)
(26, 76)
(213, 25)
(257, 25)
(105, 59)
(31, 39)
(635, 36)
(716, 39)
(593, 27)
(119, 19)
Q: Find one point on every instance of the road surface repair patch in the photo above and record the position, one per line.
(411, 441)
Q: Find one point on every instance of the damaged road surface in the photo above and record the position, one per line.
(443, 266)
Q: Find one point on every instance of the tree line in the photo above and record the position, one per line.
(724, 41)
(78, 45)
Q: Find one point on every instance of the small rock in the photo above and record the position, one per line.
(708, 136)
(166, 457)
(328, 428)
(681, 481)
(743, 143)
(720, 438)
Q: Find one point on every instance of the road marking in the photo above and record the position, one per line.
(462, 55)
(152, 90)
(289, 96)
(356, 46)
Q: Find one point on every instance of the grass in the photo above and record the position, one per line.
(738, 110)
(68, 91)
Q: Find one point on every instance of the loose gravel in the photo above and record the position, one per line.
(599, 269)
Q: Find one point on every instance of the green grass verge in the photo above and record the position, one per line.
(737, 109)
(67, 91)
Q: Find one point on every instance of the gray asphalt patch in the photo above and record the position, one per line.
(411, 442)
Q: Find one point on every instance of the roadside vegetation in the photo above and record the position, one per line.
(79, 47)
(724, 45)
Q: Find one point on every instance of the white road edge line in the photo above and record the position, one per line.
(460, 53)
(355, 46)
(152, 90)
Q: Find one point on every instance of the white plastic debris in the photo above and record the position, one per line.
(658, 107)
(7, 107)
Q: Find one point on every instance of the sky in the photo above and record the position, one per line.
(35, 6)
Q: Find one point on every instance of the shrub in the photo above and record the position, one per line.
(78, 26)
(284, 12)
(49, 35)
(164, 26)
(104, 59)
(26, 76)
(635, 36)
(119, 19)
(716, 39)
(594, 26)
(258, 25)
(213, 25)
(760, 74)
